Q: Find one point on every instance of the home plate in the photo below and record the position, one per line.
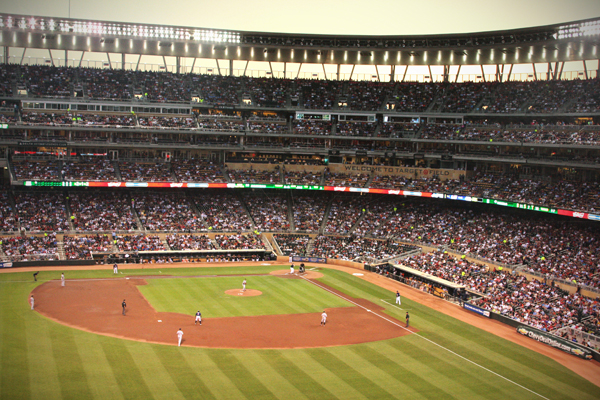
(160, 320)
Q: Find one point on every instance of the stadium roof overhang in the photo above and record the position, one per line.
(573, 41)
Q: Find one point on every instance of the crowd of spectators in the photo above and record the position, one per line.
(102, 211)
(352, 128)
(308, 212)
(8, 216)
(302, 178)
(36, 170)
(268, 92)
(268, 127)
(166, 212)
(82, 247)
(166, 122)
(88, 170)
(367, 96)
(343, 214)
(30, 248)
(269, 211)
(249, 241)
(354, 248)
(41, 211)
(223, 212)
(342, 179)
(184, 241)
(197, 170)
(317, 94)
(222, 125)
(292, 245)
(311, 127)
(146, 172)
(254, 176)
(464, 97)
(135, 243)
(398, 130)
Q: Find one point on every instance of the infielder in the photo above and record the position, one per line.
(198, 318)
(407, 318)
(115, 269)
(179, 336)
(323, 318)
(398, 301)
(62, 279)
(244, 286)
(31, 301)
(124, 305)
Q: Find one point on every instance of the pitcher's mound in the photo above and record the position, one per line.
(246, 293)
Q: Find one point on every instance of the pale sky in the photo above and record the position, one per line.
(370, 17)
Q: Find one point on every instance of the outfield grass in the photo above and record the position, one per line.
(279, 296)
(40, 359)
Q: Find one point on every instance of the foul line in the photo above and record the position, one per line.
(429, 340)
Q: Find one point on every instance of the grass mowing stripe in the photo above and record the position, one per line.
(43, 374)
(349, 374)
(396, 362)
(13, 347)
(287, 296)
(289, 370)
(240, 376)
(279, 385)
(466, 359)
(329, 379)
(384, 362)
(96, 366)
(216, 381)
(188, 382)
(131, 383)
(447, 371)
(73, 384)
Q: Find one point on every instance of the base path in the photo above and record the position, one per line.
(95, 306)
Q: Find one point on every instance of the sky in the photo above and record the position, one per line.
(348, 17)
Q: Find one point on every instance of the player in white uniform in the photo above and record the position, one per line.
(115, 269)
(292, 269)
(398, 301)
(323, 318)
(31, 301)
(198, 318)
(179, 336)
(244, 286)
(62, 279)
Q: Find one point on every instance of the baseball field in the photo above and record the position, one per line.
(268, 345)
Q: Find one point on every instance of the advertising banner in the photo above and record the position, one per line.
(309, 259)
(555, 341)
(476, 309)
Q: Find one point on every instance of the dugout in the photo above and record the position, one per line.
(437, 286)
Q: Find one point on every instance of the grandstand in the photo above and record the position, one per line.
(105, 164)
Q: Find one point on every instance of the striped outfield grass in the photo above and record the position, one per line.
(279, 296)
(40, 359)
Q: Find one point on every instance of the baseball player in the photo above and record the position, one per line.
(398, 301)
(179, 336)
(31, 301)
(198, 318)
(35, 274)
(62, 279)
(124, 305)
(407, 318)
(244, 285)
(115, 269)
(292, 269)
(323, 318)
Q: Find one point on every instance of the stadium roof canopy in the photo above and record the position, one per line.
(574, 41)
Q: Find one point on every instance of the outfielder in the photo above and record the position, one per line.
(31, 301)
(115, 269)
(198, 318)
(398, 301)
(179, 336)
(323, 318)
